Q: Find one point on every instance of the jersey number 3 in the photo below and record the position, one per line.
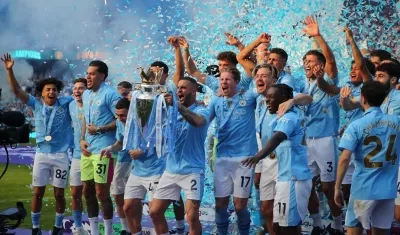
(378, 148)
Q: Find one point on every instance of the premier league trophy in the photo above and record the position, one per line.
(148, 114)
(150, 88)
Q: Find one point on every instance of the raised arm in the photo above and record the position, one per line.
(243, 56)
(180, 67)
(15, 87)
(312, 30)
(358, 57)
(330, 89)
(189, 63)
(347, 102)
(191, 117)
(234, 41)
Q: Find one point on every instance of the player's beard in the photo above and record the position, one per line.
(387, 85)
(187, 100)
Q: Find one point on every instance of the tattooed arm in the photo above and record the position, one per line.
(191, 117)
(112, 126)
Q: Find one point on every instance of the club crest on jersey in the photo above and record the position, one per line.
(242, 102)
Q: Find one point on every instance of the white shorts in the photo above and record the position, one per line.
(232, 178)
(50, 168)
(121, 175)
(75, 172)
(349, 173)
(171, 185)
(367, 213)
(291, 202)
(397, 201)
(268, 179)
(258, 168)
(322, 156)
(137, 187)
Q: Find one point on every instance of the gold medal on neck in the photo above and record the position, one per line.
(80, 116)
(47, 138)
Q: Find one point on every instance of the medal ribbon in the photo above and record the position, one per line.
(48, 125)
(226, 118)
(172, 121)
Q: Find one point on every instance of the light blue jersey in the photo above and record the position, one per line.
(123, 155)
(355, 93)
(291, 153)
(148, 165)
(99, 110)
(213, 83)
(285, 78)
(264, 119)
(171, 87)
(77, 120)
(322, 116)
(373, 139)
(391, 105)
(60, 130)
(235, 123)
(189, 154)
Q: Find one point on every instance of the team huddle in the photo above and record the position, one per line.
(282, 138)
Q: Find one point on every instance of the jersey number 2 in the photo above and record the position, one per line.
(378, 148)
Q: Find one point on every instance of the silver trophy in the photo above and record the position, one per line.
(150, 87)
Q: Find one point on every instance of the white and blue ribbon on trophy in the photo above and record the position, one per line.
(160, 116)
(163, 116)
(132, 129)
(172, 123)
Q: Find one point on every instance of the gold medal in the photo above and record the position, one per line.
(272, 155)
(47, 138)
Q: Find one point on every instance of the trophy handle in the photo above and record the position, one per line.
(137, 85)
(144, 76)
